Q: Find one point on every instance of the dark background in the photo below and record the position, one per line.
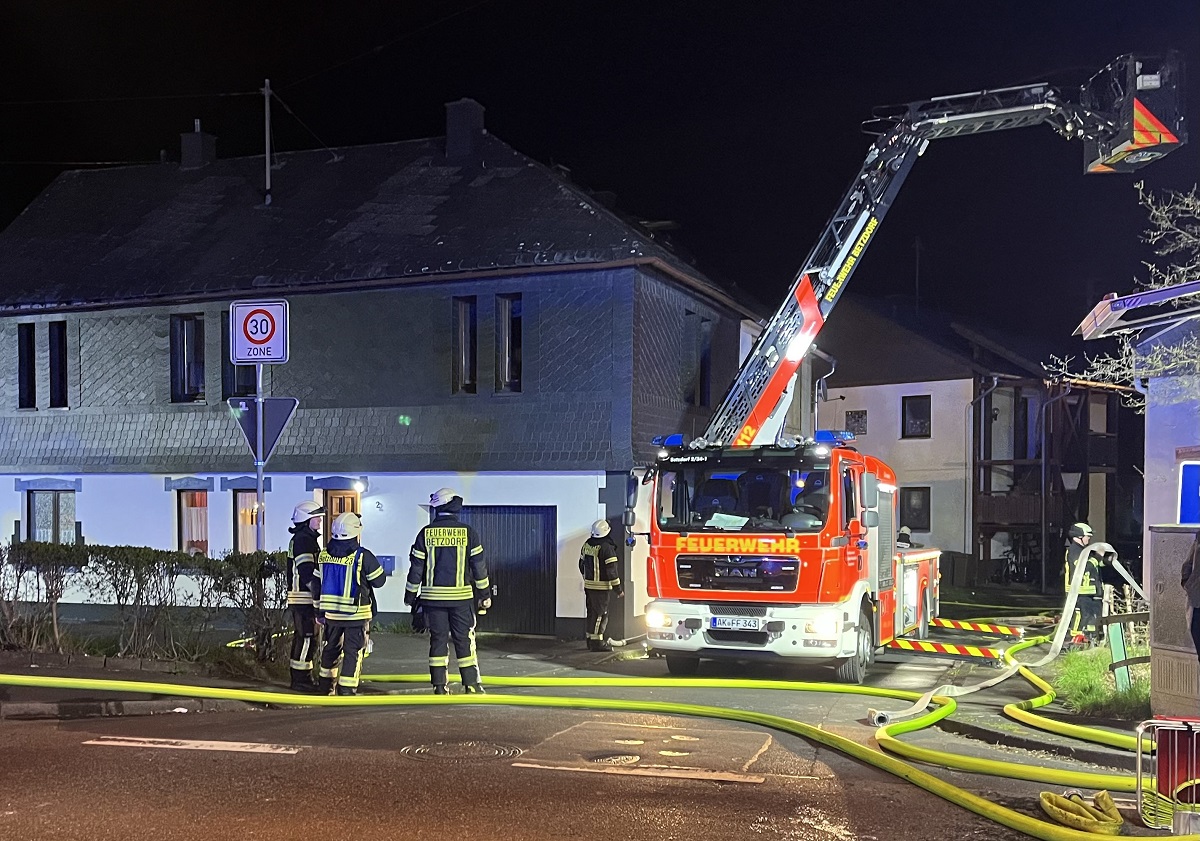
(739, 121)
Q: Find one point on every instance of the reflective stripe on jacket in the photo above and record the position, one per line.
(346, 585)
(1091, 573)
(446, 562)
(599, 564)
(303, 550)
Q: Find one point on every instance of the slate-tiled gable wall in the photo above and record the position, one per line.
(664, 355)
(360, 362)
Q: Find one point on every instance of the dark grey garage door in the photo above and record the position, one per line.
(520, 545)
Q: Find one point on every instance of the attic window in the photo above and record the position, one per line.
(187, 358)
(916, 416)
(465, 378)
(508, 342)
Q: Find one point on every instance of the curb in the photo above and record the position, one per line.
(71, 710)
(1084, 753)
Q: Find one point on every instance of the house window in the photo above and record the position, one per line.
(914, 508)
(466, 327)
(187, 358)
(508, 342)
(699, 331)
(245, 521)
(338, 502)
(26, 379)
(192, 507)
(856, 422)
(917, 420)
(236, 380)
(51, 516)
(58, 364)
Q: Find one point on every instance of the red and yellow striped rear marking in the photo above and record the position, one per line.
(946, 648)
(1003, 630)
(1148, 130)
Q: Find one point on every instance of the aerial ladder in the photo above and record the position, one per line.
(1127, 115)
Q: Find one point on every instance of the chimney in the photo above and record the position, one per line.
(464, 128)
(196, 149)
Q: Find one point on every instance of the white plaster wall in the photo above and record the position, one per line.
(939, 462)
(134, 509)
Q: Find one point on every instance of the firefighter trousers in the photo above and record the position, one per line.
(1087, 616)
(345, 641)
(597, 615)
(451, 620)
(304, 629)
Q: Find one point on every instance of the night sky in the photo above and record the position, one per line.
(739, 121)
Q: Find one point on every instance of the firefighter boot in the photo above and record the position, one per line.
(474, 689)
(302, 681)
(440, 689)
(324, 685)
(346, 690)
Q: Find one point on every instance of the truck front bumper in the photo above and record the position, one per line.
(810, 632)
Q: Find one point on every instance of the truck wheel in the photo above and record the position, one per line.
(854, 669)
(678, 664)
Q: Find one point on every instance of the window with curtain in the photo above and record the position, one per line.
(52, 516)
(245, 521)
(193, 522)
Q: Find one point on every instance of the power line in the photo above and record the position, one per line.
(381, 47)
(336, 156)
(17, 102)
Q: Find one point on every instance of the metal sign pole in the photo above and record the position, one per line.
(260, 462)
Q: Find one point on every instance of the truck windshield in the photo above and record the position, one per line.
(746, 494)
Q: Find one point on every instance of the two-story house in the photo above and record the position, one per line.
(459, 315)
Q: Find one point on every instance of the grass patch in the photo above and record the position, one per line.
(1084, 683)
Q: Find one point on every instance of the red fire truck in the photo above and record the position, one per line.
(762, 546)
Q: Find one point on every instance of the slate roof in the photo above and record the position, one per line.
(369, 214)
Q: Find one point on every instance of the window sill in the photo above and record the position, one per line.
(27, 408)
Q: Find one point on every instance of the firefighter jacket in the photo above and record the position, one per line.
(348, 576)
(600, 564)
(446, 562)
(303, 551)
(1091, 574)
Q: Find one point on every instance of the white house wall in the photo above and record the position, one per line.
(135, 509)
(939, 462)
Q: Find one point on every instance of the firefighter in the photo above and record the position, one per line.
(600, 566)
(349, 576)
(1087, 606)
(447, 573)
(303, 551)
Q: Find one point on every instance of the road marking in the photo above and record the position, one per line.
(190, 744)
(653, 771)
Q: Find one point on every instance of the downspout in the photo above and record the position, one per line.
(1043, 410)
(968, 531)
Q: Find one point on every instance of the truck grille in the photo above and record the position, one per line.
(736, 610)
(754, 573)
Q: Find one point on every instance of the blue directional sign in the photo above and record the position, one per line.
(1189, 492)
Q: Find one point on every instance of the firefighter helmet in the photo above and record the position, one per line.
(347, 526)
(443, 496)
(305, 511)
(1079, 530)
(600, 528)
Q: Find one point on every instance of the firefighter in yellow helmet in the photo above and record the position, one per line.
(1087, 607)
(600, 566)
(349, 576)
(303, 550)
(448, 575)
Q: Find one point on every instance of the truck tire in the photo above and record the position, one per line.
(854, 669)
(679, 664)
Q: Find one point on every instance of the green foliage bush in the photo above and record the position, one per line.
(1085, 684)
(165, 602)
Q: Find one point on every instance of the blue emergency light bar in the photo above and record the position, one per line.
(833, 436)
(675, 440)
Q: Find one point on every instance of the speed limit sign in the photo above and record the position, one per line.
(258, 332)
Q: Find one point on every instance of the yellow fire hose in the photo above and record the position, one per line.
(1015, 820)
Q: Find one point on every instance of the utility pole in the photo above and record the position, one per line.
(266, 92)
(917, 274)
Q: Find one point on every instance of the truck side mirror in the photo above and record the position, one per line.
(870, 519)
(870, 491)
(629, 518)
(631, 490)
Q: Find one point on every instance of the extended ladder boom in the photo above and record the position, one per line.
(754, 407)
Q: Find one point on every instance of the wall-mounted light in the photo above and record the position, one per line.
(360, 487)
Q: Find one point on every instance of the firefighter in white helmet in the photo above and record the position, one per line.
(1084, 625)
(303, 550)
(600, 566)
(448, 575)
(349, 576)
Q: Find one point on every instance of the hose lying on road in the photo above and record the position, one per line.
(1007, 817)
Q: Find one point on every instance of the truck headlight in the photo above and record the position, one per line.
(825, 627)
(657, 619)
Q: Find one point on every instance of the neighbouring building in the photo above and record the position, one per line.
(459, 315)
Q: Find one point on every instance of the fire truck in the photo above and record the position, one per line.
(761, 545)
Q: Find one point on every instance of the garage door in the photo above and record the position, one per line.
(520, 543)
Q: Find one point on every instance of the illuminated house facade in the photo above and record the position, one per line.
(459, 315)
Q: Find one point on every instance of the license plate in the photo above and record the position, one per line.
(734, 623)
